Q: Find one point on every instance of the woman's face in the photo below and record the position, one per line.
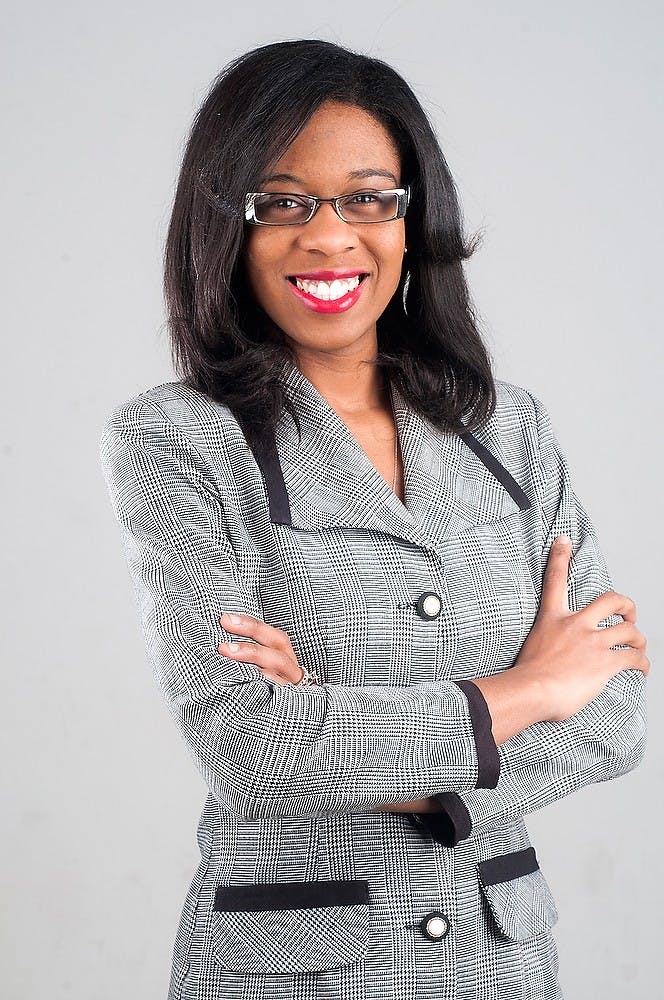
(342, 149)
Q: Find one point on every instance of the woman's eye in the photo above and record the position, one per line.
(364, 198)
(280, 208)
(282, 203)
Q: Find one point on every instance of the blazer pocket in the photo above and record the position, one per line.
(286, 927)
(518, 895)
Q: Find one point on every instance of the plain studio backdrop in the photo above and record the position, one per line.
(550, 119)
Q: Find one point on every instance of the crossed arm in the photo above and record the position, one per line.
(265, 749)
(424, 738)
(548, 760)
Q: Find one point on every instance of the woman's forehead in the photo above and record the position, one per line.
(342, 140)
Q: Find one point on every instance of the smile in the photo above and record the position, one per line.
(333, 296)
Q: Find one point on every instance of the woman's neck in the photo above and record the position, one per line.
(350, 386)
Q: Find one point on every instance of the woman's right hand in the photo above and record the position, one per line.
(566, 652)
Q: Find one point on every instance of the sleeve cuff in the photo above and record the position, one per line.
(453, 823)
(450, 825)
(488, 758)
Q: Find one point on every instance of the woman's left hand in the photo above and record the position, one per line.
(271, 650)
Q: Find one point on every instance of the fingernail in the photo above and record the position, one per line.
(231, 646)
(563, 540)
(231, 619)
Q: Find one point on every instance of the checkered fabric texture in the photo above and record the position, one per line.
(295, 772)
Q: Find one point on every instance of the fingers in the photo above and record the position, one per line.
(607, 604)
(631, 659)
(627, 646)
(555, 589)
(274, 663)
(266, 635)
(271, 651)
(634, 656)
(624, 633)
(554, 584)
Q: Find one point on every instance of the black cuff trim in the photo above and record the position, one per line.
(450, 825)
(453, 823)
(508, 866)
(488, 759)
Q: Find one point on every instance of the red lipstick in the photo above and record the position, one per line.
(328, 305)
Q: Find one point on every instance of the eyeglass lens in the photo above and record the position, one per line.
(364, 206)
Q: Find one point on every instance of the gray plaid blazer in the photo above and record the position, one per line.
(302, 891)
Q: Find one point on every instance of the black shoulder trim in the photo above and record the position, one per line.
(504, 477)
(267, 460)
(270, 466)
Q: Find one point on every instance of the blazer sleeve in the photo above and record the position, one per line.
(265, 749)
(605, 739)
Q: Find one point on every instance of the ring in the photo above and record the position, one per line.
(307, 676)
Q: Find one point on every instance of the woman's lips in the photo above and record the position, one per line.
(342, 304)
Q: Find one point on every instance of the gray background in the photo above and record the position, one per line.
(550, 117)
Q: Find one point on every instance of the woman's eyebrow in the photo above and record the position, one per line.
(353, 175)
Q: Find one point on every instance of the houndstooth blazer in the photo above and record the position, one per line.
(303, 892)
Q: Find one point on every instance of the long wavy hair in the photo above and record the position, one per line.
(222, 342)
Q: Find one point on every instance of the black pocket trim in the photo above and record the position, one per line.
(508, 866)
(291, 895)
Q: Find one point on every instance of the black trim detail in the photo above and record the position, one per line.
(291, 895)
(268, 462)
(488, 759)
(496, 469)
(454, 823)
(508, 866)
(276, 487)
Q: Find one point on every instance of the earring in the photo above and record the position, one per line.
(405, 291)
(405, 249)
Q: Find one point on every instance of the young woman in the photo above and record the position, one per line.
(374, 604)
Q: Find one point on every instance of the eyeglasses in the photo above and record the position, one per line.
(271, 208)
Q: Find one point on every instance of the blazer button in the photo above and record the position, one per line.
(428, 605)
(435, 925)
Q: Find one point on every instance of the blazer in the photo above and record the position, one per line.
(303, 892)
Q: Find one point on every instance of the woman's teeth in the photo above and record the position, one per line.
(328, 290)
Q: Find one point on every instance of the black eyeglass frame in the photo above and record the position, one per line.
(403, 200)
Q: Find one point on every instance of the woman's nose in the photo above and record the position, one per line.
(327, 232)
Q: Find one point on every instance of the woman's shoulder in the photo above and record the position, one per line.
(174, 406)
(518, 426)
(176, 400)
(177, 422)
(516, 401)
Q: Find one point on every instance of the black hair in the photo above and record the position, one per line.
(222, 342)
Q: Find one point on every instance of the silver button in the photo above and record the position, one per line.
(428, 605)
(435, 926)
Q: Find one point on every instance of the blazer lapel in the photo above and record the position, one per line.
(330, 482)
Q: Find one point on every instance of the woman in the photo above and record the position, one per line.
(339, 526)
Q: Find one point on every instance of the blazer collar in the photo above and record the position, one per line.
(327, 481)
